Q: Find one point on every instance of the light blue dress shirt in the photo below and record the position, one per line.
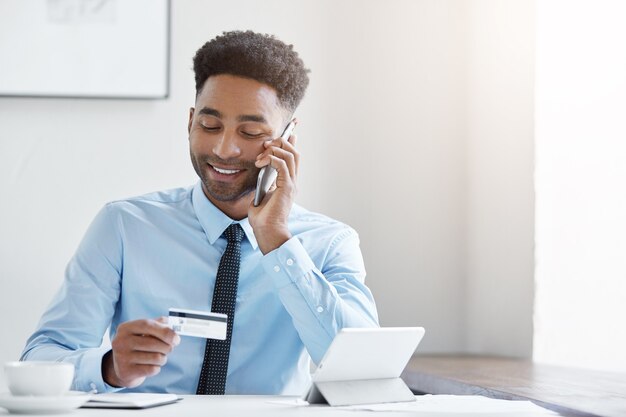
(143, 255)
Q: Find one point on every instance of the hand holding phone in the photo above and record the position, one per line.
(267, 175)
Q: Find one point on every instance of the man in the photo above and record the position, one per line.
(294, 278)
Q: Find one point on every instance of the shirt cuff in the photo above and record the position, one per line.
(89, 373)
(287, 263)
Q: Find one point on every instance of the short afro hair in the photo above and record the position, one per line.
(257, 56)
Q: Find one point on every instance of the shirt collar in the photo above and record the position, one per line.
(213, 220)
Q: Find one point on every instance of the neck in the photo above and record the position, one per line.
(235, 209)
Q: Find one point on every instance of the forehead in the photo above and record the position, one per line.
(233, 96)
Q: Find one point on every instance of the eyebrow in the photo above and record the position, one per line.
(251, 118)
(241, 118)
(211, 112)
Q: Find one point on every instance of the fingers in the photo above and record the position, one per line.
(286, 145)
(145, 336)
(140, 349)
(292, 140)
(282, 149)
(289, 143)
(285, 179)
(287, 157)
(150, 344)
(155, 328)
(149, 358)
(148, 370)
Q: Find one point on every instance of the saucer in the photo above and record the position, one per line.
(45, 404)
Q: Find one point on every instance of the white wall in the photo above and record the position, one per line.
(405, 185)
(387, 147)
(500, 163)
(581, 203)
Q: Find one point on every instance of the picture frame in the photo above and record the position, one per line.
(85, 48)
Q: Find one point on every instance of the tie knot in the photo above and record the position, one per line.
(234, 233)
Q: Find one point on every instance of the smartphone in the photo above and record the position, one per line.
(267, 175)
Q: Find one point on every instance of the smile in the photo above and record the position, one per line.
(226, 171)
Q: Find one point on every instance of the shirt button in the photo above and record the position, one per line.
(93, 387)
(320, 309)
(289, 261)
(276, 268)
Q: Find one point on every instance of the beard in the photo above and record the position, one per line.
(225, 191)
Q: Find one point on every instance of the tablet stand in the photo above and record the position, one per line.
(364, 391)
(363, 366)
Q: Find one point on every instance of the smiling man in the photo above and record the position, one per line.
(286, 278)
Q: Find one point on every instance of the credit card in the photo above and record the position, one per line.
(198, 323)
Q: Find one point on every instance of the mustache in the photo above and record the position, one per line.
(231, 163)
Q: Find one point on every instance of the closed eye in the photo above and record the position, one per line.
(253, 135)
(210, 128)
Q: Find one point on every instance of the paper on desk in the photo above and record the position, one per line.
(130, 400)
(448, 405)
(458, 405)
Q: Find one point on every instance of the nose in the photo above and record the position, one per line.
(227, 146)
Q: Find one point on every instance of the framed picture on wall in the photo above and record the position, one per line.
(85, 48)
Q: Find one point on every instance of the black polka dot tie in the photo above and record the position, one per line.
(213, 375)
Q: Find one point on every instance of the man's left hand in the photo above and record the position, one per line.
(269, 219)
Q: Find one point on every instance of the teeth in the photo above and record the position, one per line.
(226, 171)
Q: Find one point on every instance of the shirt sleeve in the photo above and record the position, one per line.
(321, 302)
(72, 327)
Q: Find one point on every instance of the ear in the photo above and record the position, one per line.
(191, 111)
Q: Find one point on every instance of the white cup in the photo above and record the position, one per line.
(39, 378)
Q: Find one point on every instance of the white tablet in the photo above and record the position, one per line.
(368, 353)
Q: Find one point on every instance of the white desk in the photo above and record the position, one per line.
(221, 406)
(261, 406)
